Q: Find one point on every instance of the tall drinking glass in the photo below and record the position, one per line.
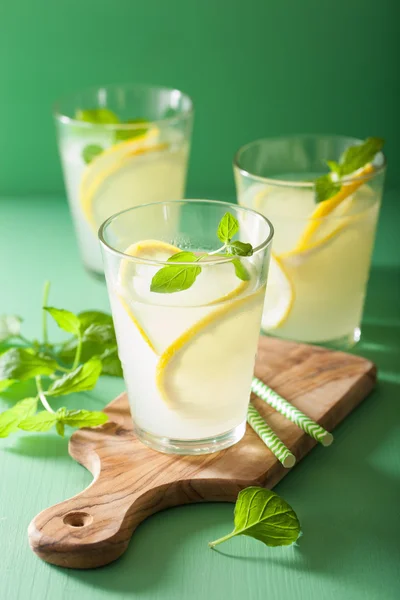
(322, 251)
(120, 146)
(187, 356)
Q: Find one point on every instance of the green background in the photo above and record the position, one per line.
(254, 68)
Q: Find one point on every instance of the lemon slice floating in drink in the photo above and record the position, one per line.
(214, 286)
(116, 178)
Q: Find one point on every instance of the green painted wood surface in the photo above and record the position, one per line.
(346, 496)
(254, 68)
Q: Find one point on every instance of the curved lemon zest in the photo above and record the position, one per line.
(176, 346)
(326, 207)
(136, 322)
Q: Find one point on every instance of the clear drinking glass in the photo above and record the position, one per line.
(187, 356)
(120, 146)
(322, 252)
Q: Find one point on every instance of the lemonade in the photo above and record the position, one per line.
(111, 163)
(187, 364)
(322, 250)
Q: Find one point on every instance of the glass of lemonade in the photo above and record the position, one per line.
(322, 250)
(187, 356)
(120, 146)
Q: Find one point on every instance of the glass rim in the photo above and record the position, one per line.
(65, 119)
(237, 207)
(303, 184)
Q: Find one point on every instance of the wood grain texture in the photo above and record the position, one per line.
(132, 482)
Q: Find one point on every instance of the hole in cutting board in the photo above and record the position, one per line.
(78, 519)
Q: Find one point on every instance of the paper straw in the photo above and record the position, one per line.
(269, 438)
(290, 412)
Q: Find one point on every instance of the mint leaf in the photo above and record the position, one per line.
(82, 379)
(11, 418)
(227, 228)
(42, 421)
(325, 188)
(97, 116)
(334, 167)
(90, 152)
(65, 319)
(263, 515)
(355, 157)
(241, 270)
(84, 418)
(127, 134)
(100, 334)
(183, 256)
(20, 364)
(94, 317)
(10, 326)
(111, 363)
(60, 428)
(239, 249)
(174, 279)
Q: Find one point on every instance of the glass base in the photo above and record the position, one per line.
(342, 343)
(191, 447)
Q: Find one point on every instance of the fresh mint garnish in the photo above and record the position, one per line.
(90, 152)
(57, 369)
(97, 116)
(263, 515)
(352, 159)
(176, 278)
(127, 134)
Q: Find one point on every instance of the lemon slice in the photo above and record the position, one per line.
(151, 312)
(195, 365)
(107, 182)
(323, 219)
(279, 297)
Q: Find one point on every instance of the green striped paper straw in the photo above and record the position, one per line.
(270, 438)
(290, 412)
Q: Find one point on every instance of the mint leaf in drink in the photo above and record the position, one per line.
(11, 418)
(10, 326)
(132, 132)
(183, 256)
(181, 277)
(97, 116)
(239, 249)
(325, 188)
(18, 364)
(65, 319)
(90, 152)
(81, 379)
(175, 278)
(353, 158)
(240, 270)
(356, 157)
(227, 228)
(263, 515)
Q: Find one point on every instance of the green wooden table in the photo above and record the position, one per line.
(347, 496)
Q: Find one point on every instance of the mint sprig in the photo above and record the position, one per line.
(105, 116)
(72, 366)
(177, 278)
(263, 515)
(352, 159)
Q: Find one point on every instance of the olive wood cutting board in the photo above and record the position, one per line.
(132, 482)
